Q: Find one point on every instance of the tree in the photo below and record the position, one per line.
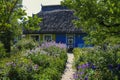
(100, 19)
(10, 13)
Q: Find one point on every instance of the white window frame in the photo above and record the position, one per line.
(47, 35)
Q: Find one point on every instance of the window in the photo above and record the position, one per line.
(35, 37)
(47, 37)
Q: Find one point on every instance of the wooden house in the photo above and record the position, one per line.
(57, 25)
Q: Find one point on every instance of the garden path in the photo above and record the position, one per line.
(69, 71)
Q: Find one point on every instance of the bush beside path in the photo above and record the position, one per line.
(45, 62)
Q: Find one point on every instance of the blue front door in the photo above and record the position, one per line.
(70, 40)
(61, 38)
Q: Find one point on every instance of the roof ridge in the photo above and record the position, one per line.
(58, 10)
(51, 5)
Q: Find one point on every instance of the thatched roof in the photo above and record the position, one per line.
(57, 20)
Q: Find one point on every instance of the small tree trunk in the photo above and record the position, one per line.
(6, 40)
(8, 45)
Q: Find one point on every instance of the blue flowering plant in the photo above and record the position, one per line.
(51, 58)
(97, 64)
(40, 63)
(53, 48)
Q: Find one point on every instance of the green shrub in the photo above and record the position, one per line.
(58, 64)
(50, 74)
(51, 66)
(26, 44)
(17, 68)
(40, 59)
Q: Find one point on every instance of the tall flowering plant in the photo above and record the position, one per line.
(53, 43)
(50, 48)
(53, 48)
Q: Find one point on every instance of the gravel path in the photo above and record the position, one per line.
(68, 73)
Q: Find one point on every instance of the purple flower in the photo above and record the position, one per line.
(75, 76)
(79, 67)
(110, 66)
(86, 78)
(89, 63)
(93, 67)
(85, 65)
(118, 66)
(53, 43)
(81, 73)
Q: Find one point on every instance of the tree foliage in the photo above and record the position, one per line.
(32, 23)
(10, 12)
(100, 19)
(12, 20)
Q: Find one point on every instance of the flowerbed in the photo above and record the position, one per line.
(37, 64)
(95, 64)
